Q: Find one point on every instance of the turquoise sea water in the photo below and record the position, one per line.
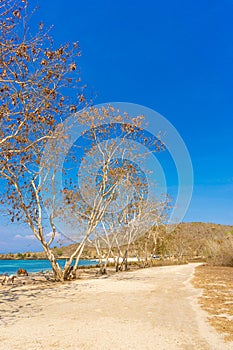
(11, 266)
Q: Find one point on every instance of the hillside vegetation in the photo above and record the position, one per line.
(209, 242)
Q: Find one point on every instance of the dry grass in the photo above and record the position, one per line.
(217, 296)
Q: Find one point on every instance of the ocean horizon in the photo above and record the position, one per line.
(11, 266)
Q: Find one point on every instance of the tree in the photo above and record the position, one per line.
(110, 205)
(40, 94)
(37, 81)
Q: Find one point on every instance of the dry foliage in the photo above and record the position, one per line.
(35, 77)
(216, 299)
(40, 87)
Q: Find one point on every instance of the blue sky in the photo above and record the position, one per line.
(172, 56)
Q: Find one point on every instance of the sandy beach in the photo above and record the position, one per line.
(153, 308)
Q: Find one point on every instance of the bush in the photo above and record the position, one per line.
(59, 252)
(220, 252)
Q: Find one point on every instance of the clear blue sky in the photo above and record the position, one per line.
(174, 57)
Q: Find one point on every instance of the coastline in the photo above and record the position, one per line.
(8, 266)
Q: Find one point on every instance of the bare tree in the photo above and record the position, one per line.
(35, 77)
(40, 87)
(103, 169)
(123, 187)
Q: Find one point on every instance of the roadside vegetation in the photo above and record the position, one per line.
(217, 285)
(210, 243)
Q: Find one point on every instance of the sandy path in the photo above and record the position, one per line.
(153, 308)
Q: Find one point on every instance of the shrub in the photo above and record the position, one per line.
(59, 252)
(220, 252)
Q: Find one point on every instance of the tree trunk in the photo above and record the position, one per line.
(125, 261)
(117, 263)
(57, 270)
(106, 262)
(146, 251)
(79, 256)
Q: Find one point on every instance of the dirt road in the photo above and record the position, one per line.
(154, 308)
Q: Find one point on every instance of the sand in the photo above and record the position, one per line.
(154, 308)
